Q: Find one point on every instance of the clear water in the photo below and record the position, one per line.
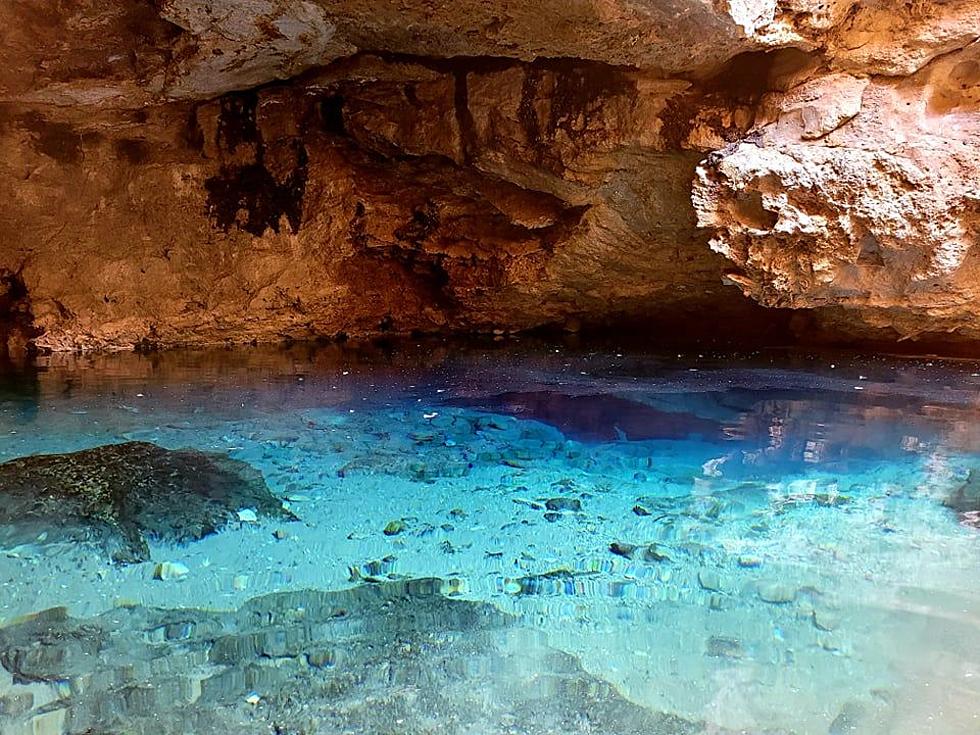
(805, 574)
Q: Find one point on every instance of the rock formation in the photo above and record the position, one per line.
(186, 172)
(121, 494)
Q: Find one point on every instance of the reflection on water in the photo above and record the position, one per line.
(506, 539)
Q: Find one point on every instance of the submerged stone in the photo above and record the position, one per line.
(393, 528)
(647, 553)
(373, 659)
(598, 418)
(167, 570)
(562, 504)
(965, 500)
(120, 495)
(627, 551)
(777, 593)
(718, 646)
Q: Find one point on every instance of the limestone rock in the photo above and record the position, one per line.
(121, 494)
(180, 172)
(860, 194)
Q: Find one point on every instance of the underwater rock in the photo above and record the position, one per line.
(648, 553)
(119, 495)
(377, 658)
(598, 418)
(777, 593)
(627, 551)
(563, 504)
(393, 528)
(167, 570)
(825, 620)
(718, 646)
(965, 500)
(709, 580)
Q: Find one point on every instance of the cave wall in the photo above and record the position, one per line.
(182, 172)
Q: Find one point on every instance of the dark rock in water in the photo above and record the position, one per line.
(648, 553)
(121, 494)
(560, 504)
(386, 658)
(598, 418)
(627, 551)
(965, 500)
(393, 528)
(718, 646)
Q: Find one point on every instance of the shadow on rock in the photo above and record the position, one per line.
(119, 495)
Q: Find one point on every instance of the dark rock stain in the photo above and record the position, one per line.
(237, 124)
(526, 112)
(424, 222)
(332, 115)
(16, 318)
(248, 195)
(192, 133)
(56, 140)
(135, 151)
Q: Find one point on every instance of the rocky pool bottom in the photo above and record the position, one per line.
(515, 538)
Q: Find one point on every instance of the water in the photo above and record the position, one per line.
(614, 543)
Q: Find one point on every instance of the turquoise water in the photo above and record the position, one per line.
(728, 543)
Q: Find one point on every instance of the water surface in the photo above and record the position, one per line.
(723, 543)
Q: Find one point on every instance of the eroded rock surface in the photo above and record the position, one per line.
(184, 172)
(121, 494)
(861, 192)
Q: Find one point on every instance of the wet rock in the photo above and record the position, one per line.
(709, 580)
(965, 500)
(553, 582)
(597, 418)
(16, 704)
(627, 551)
(119, 495)
(825, 620)
(563, 504)
(165, 571)
(777, 593)
(718, 646)
(393, 528)
(647, 553)
(247, 515)
(653, 553)
(641, 511)
(314, 661)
